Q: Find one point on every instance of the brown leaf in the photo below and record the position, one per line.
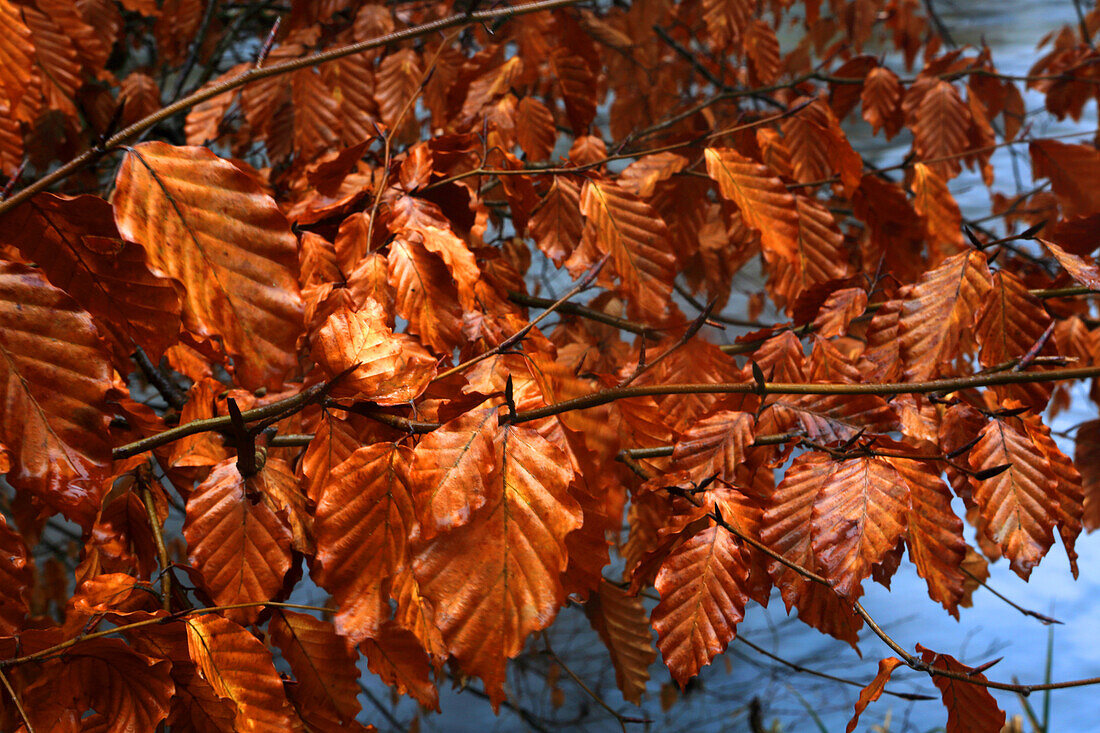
(238, 543)
(934, 202)
(1078, 268)
(535, 131)
(858, 517)
(398, 659)
(363, 519)
(53, 412)
(1074, 173)
(240, 669)
(704, 588)
(881, 99)
(764, 201)
(940, 127)
(874, 688)
(425, 295)
(323, 663)
(970, 706)
(207, 224)
(715, 445)
(1018, 504)
(631, 232)
(940, 311)
(620, 620)
(1087, 458)
(75, 242)
(556, 224)
(497, 579)
(131, 690)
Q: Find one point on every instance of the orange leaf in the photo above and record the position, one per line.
(54, 378)
(397, 86)
(1010, 324)
(1074, 173)
(239, 668)
(764, 201)
(934, 533)
(858, 517)
(75, 242)
(1019, 504)
(398, 659)
(881, 98)
(17, 74)
(970, 706)
(452, 469)
(625, 227)
(819, 146)
(934, 202)
(425, 295)
(556, 224)
(497, 579)
(130, 689)
(704, 588)
(238, 543)
(364, 515)
(874, 688)
(787, 527)
(820, 254)
(940, 310)
(535, 130)
(1087, 458)
(322, 662)
(940, 128)
(642, 176)
(715, 445)
(577, 85)
(838, 311)
(620, 620)
(207, 224)
(827, 418)
(384, 368)
(317, 123)
(1078, 268)
(1069, 493)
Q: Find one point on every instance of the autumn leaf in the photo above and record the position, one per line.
(1018, 504)
(940, 311)
(1074, 173)
(205, 223)
(939, 129)
(703, 584)
(240, 669)
(858, 517)
(496, 579)
(238, 542)
(764, 201)
(363, 519)
(323, 663)
(970, 706)
(873, 690)
(453, 469)
(627, 229)
(620, 620)
(56, 377)
(398, 659)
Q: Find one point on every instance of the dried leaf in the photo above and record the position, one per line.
(621, 622)
(207, 224)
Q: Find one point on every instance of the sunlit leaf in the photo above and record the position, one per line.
(496, 580)
(363, 519)
(970, 706)
(207, 224)
(764, 201)
(323, 663)
(239, 668)
(55, 377)
(238, 543)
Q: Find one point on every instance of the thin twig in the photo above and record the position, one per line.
(15, 699)
(158, 541)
